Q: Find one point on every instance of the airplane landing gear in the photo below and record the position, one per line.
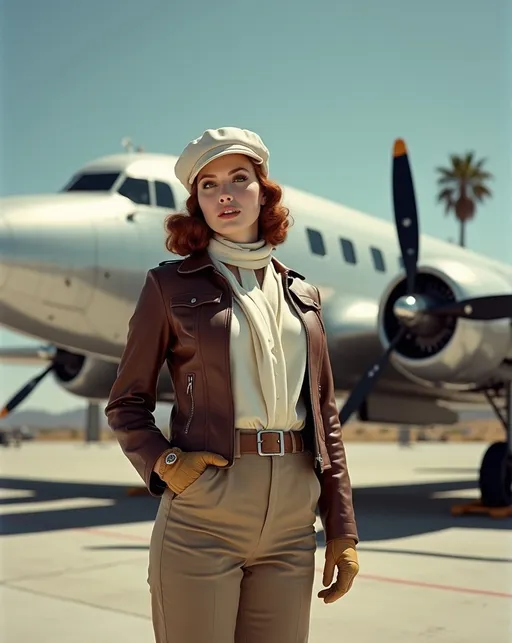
(496, 469)
(496, 476)
(495, 480)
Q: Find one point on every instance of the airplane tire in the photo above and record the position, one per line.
(496, 476)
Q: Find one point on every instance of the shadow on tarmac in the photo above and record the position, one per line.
(383, 513)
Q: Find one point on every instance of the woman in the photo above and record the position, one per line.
(255, 439)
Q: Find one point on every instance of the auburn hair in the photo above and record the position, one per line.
(188, 232)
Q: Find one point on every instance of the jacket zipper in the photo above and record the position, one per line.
(318, 456)
(190, 391)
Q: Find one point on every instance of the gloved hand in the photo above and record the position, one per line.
(340, 553)
(187, 468)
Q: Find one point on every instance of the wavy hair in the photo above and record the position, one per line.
(188, 232)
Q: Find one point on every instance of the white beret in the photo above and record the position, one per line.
(214, 143)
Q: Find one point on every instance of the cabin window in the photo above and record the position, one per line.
(164, 196)
(348, 251)
(316, 242)
(97, 182)
(137, 190)
(378, 260)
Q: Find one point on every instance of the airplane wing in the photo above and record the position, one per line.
(27, 355)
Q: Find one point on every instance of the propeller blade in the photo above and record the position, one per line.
(366, 383)
(406, 214)
(481, 308)
(26, 390)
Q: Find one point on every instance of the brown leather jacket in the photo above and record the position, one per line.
(183, 317)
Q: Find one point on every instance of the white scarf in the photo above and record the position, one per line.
(263, 308)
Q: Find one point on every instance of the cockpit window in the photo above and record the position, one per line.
(164, 196)
(92, 182)
(137, 190)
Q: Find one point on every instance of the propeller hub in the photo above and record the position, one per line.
(411, 309)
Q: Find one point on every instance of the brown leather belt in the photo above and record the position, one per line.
(269, 442)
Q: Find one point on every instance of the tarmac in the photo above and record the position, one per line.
(74, 549)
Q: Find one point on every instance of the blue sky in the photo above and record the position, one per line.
(328, 85)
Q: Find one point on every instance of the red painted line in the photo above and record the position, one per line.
(426, 585)
(115, 534)
(372, 577)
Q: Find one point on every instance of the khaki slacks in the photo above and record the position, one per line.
(232, 558)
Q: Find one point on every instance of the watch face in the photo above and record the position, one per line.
(171, 458)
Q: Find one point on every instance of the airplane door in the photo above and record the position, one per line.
(68, 271)
(152, 236)
(119, 276)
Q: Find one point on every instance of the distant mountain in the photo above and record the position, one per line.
(74, 418)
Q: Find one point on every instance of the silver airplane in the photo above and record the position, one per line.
(406, 338)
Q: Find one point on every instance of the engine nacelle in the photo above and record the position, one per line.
(83, 375)
(457, 353)
(93, 378)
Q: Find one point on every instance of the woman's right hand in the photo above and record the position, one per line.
(187, 467)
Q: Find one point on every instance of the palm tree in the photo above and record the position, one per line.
(462, 186)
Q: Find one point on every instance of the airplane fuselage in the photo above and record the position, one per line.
(72, 264)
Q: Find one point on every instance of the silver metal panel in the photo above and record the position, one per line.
(120, 277)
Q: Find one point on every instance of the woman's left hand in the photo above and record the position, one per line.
(340, 553)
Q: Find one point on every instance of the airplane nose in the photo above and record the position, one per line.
(47, 251)
(50, 246)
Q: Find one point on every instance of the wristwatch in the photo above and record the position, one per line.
(170, 458)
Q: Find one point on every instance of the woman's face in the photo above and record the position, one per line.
(230, 197)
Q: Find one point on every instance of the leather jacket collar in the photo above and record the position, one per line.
(202, 260)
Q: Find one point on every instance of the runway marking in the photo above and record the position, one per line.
(427, 585)
(8, 494)
(114, 534)
(57, 504)
(319, 570)
(77, 601)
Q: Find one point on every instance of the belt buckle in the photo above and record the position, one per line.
(259, 440)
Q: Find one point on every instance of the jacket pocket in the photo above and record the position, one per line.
(192, 299)
(191, 313)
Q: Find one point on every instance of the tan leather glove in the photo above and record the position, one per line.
(187, 467)
(340, 553)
